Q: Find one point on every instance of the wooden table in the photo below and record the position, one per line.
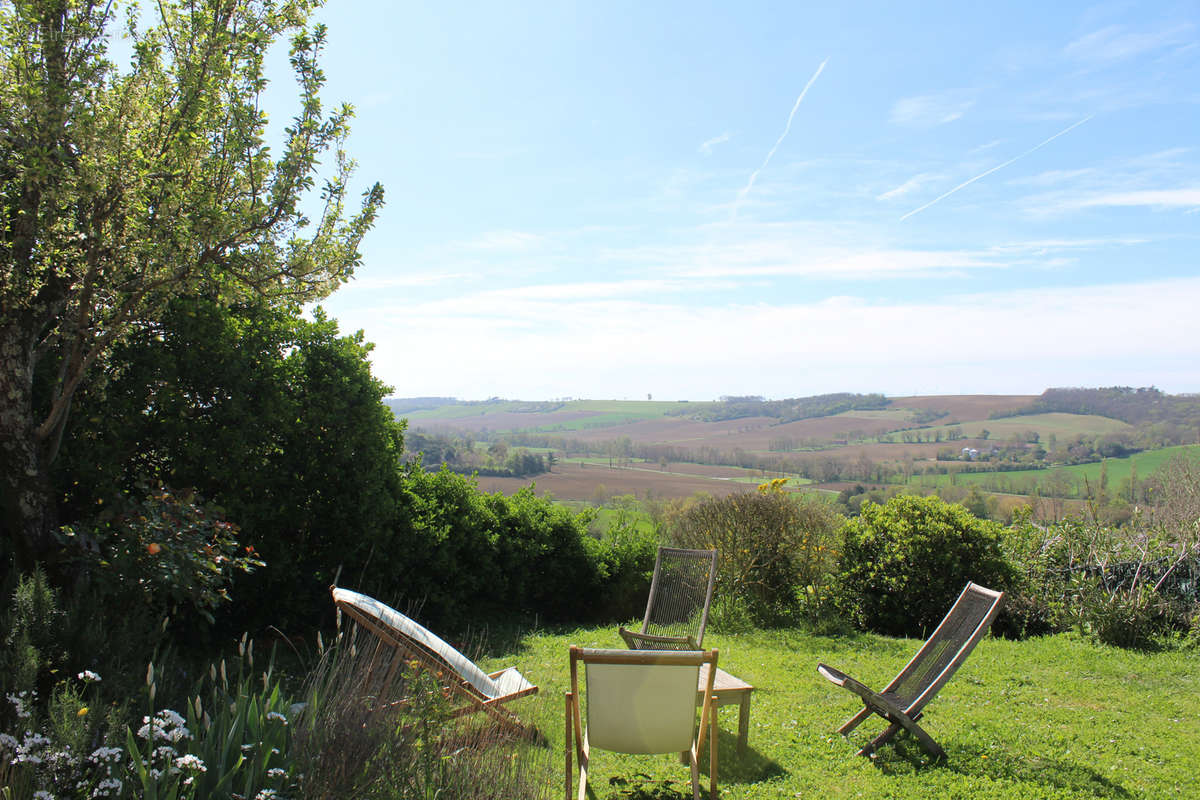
(728, 689)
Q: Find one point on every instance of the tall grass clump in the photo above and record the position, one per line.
(368, 731)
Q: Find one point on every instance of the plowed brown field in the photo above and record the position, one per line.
(570, 481)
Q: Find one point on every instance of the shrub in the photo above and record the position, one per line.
(167, 550)
(623, 558)
(33, 646)
(1123, 586)
(771, 548)
(904, 563)
(465, 556)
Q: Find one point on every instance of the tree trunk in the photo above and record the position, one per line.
(26, 507)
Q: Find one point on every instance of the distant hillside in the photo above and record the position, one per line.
(580, 449)
(1135, 406)
(789, 410)
(403, 405)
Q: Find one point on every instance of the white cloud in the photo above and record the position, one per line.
(1159, 198)
(1115, 42)
(986, 146)
(931, 110)
(1019, 341)
(912, 184)
(706, 147)
(1051, 177)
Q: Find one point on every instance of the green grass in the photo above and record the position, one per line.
(1051, 718)
(1061, 425)
(1119, 469)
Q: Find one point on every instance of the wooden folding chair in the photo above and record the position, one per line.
(640, 701)
(677, 608)
(903, 700)
(408, 641)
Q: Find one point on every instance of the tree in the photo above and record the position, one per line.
(120, 189)
(275, 418)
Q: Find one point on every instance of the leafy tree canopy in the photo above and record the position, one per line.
(121, 187)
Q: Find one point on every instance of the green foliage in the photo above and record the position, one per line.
(46, 639)
(466, 555)
(1126, 586)
(1119, 402)
(774, 550)
(623, 556)
(124, 186)
(788, 410)
(275, 418)
(905, 562)
(167, 550)
(33, 646)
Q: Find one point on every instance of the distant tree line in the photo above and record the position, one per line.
(458, 453)
(1135, 406)
(789, 410)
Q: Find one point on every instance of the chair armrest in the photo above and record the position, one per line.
(872, 699)
(840, 678)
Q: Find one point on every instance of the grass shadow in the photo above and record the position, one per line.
(750, 766)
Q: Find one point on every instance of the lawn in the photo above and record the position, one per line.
(1056, 717)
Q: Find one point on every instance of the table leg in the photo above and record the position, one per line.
(743, 723)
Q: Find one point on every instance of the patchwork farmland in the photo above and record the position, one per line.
(1016, 444)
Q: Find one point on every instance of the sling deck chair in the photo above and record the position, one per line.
(640, 701)
(902, 701)
(677, 609)
(475, 689)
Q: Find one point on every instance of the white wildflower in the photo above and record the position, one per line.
(103, 755)
(107, 787)
(191, 762)
(88, 676)
(276, 772)
(275, 715)
(18, 701)
(166, 725)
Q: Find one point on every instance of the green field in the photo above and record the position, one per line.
(1046, 425)
(1055, 718)
(1119, 469)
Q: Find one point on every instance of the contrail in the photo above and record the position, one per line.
(745, 191)
(965, 184)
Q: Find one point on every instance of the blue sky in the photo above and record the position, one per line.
(685, 200)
